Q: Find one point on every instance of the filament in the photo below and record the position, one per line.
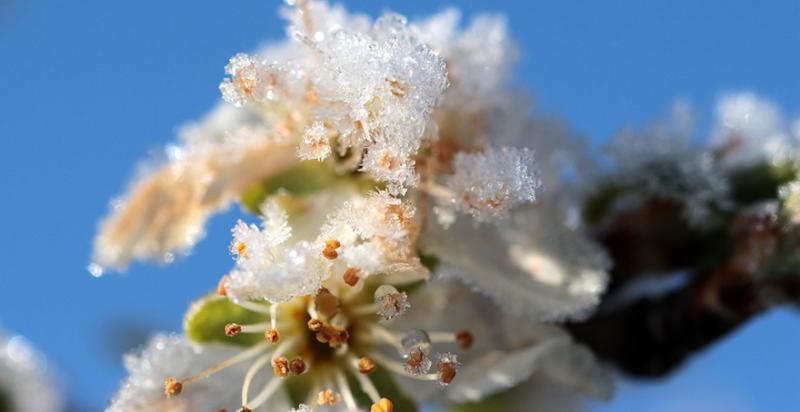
(248, 378)
(239, 357)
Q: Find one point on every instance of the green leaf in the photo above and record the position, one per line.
(760, 181)
(305, 178)
(206, 319)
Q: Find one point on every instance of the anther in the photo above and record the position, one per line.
(245, 409)
(233, 329)
(221, 286)
(281, 367)
(464, 339)
(314, 325)
(326, 302)
(332, 335)
(172, 387)
(330, 249)
(327, 397)
(240, 248)
(351, 276)
(391, 302)
(297, 366)
(383, 405)
(447, 365)
(272, 335)
(366, 366)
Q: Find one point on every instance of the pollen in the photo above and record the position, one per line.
(297, 366)
(351, 276)
(464, 339)
(326, 303)
(172, 387)
(233, 329)
(327, 397)
(280, 366)
(366, 366)
(383, 405)
(272, 335)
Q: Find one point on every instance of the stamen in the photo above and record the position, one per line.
(314, 325)
(366, 384)
(297, 366)
(391, 302)
(232, 329)
(280, 366)
(447, 365)
(417, 362)
(365, 366)
(272, 336)
(464, 339)
(248, 378)
(351, 276)
(172, 387)
(344, 388)
(332, 335)
(239, 357)
(383, 405)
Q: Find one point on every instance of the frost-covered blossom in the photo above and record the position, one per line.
(663, 162)
(489, 184)
(750, 128)
(24, 382)
(367, 143)
(268, 268)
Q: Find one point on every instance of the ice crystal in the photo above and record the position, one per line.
(315, 144)
(489, 184)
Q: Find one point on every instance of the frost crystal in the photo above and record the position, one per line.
(488, 184)
(377, 234)
(391, 302)
(750, 128)
(315, 144)
(268, 268)
(249, 80)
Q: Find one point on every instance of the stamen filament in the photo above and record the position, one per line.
(398, 368)
(255, 307)
(369, 309)
(344, 389)
(256, 327)
(388, 337)
(239, 357)
(265, 393)
(273, 316)
(251, 373)
(442, 337)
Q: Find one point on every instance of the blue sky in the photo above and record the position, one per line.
(88, 88)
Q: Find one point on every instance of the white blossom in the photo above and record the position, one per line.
(25, 381)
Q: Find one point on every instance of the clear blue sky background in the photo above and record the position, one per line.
(89, 87)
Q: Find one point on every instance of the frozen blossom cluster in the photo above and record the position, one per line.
(418, 233)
